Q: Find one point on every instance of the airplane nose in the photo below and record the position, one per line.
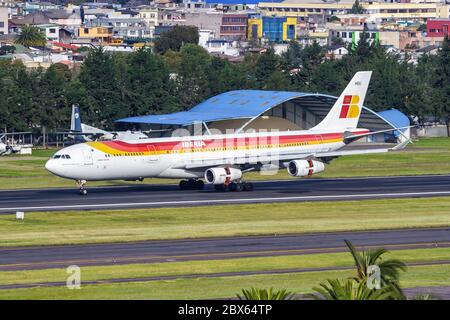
(50, 166)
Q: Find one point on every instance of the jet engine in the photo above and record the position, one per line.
(302, 168)
(222, 175)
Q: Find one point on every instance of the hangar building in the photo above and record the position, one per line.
(242, 110)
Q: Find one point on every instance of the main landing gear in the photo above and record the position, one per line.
(234, 186)
(82, 189)
(191, 184)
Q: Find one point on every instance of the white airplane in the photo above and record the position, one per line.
(81, 132)
(4, 149)
(13, 146)
(221, 159)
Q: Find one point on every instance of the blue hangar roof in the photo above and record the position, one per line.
(247, 104)
(395, 118)
(229, 105)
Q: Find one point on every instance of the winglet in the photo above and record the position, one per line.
(401, 145)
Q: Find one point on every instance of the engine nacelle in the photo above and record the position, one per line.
(303, 168)
(222, 175)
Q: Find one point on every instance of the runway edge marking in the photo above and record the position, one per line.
(238, 201)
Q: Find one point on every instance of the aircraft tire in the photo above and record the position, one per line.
(233, 186)
(183, 185)
(199, 185)
(220, 187)
(248, 186)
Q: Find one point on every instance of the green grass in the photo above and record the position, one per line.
(328, 260)
(209, 288)
(427, 156)
(42, 228)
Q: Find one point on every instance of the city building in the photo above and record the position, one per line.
(221, 46)
(377, 11)
(351, 34)
(129, 28)
(438, 27)
(234, 26)
(96, 33)
(3, 20)
(202, 19)
(408, 39)
(272, 29)
(149, 15)
(204, 36)
(51, 31)
(337, 51)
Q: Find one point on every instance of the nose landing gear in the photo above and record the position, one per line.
(82, 190)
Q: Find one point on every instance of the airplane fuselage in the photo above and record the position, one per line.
(187, 157)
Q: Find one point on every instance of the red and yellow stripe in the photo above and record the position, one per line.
(122, 148)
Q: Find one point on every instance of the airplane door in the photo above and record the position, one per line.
(153, 157)
(319, 140)
(87, 157)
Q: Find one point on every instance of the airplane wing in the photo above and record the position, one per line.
(271, 157)
(350, 137)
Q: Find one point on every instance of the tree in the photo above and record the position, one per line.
(357, 288)
(265, 294)
(267, 65)
(193, 84)
(357, 8)
(337, 41)
(292, 57)
(305, 62)
(100, 78)
(335, 19)
(49, 102)
(389, 268)
(441, 82)
(175, 38)
(148, 87)
(350, 289)
(31, 36)
(363, 51)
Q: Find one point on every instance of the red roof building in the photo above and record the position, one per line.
(438, 27)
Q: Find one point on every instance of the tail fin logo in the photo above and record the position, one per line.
(350, 108)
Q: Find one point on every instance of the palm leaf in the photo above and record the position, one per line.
(265, 294)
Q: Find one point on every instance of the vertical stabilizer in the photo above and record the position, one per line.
(344, 114)
(75, 123)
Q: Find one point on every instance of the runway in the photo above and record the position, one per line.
(152, 196)
(21, 258)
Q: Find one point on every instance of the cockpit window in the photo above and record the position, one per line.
(61, 156)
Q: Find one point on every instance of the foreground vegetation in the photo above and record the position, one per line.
(218, 287)
(425, 156)
(306, 261)
(42, 228)
(351, 285)
(377, 278)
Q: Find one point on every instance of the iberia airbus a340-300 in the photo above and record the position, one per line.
(221, 159)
